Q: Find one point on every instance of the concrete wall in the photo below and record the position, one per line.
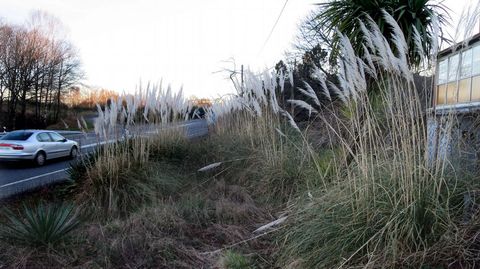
(455, 137)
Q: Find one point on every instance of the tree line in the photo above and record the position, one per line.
(85, 98)
(37, 66)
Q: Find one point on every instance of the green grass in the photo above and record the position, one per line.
(195, 209)
(328, 230)
(234, 260)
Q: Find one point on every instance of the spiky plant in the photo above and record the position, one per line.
(40, 225)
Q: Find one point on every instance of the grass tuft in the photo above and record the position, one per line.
(234, 260)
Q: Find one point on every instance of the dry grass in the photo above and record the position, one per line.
(187, 217)
(358, 192)
(384, 199)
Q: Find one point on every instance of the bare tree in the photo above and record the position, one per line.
(37, 65)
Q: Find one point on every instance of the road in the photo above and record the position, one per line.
(19, 177)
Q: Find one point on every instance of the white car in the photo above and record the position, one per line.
(37, 146)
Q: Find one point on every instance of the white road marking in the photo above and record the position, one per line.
(32, 178)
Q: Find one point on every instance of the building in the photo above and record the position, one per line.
(453, 120)
(458, 76)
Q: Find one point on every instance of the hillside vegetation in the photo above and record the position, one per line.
(351, 188)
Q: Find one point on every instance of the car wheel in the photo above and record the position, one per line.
(40, 159)
(73, 153)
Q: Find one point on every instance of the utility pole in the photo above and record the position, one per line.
(292, 96)
(241, 85)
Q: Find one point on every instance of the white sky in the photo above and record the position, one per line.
(182, 41)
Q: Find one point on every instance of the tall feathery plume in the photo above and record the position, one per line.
(304, 105)
(290, 120)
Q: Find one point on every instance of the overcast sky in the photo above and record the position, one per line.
(182, 41)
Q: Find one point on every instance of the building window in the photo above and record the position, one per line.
(464, 89)
(458, 78)
(476, 60)
(466, 68)
(476, 88)
(442, 71)
(442, 94)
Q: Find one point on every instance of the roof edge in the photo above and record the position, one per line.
(460, 45)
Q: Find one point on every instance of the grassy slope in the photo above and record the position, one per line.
(166, 214)
(191, 217)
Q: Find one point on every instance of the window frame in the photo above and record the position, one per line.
(44, 133)
(459, 77)
(51, 134)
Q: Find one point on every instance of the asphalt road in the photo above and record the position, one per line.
(17, 177)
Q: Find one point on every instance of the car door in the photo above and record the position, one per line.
(61, 149)
(46, 143)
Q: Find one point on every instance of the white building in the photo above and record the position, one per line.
(454, 119)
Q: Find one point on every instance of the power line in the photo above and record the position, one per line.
(274, 26)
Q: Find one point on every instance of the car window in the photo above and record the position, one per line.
(44, 137)
(56, 137)
(17, 135)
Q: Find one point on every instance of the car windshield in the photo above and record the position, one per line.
(18, 136)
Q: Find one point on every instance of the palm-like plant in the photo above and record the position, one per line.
(41, 225)
(420, 21)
